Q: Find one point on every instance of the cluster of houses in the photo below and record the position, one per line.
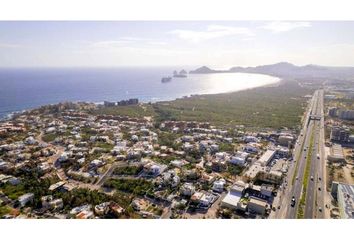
(191, 171)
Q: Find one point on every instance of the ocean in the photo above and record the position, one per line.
(22, 89)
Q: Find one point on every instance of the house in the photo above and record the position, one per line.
(96, 163)
(187, 189)
(218, 185)
(178, 163)
(86, 214)
(116, 209)
(56, 186)
(233, 198)
(102, 209)
(239, 158)
(49, 203)
(77, 210)
(153, 169)
(251, 148)
(171, 178)
(248, 139)
(25, 199)
(256, 205)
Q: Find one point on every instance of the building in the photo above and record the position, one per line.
(267, 190)
(285, 139)
(274, 177)
(256, 205)
(346, 114)
(233, 198)
(26, 198)
(266, 157)
(344, 194)
(132, 101)
(187, 189)
(332, 112)
(218, 185)
(239, 158)
(339, 134)
(336, 154)
(251, 148)
(109, 104)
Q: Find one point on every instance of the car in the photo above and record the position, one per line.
(319, 189)
(297, 178)
(320, 209)
(293, 201)
(319, 178)
(311, 178)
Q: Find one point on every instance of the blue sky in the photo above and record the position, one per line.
(217, 44)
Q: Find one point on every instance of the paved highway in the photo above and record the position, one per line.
(312, 131)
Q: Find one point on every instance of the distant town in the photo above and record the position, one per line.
(83, 160)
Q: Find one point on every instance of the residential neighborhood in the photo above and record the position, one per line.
(84, 165)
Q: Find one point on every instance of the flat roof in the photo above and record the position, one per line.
(266, 157)
(232, 198)
(258, 202)
(346, 196)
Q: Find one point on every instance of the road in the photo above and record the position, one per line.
(312, 131)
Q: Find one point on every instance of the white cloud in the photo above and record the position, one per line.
(285, 26)
(126, 41)
(212, 32)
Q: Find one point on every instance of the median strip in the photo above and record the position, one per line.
(300, 211)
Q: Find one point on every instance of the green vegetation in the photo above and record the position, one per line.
(13, 192)
(297, 165)
(234, 170)
(300, 213)
(128, 170)
(168, 139)
(275, 107)
(137, 111)
(4, 210)
(104, 145)
(81, 196)
(135, 186)
(226, 147)
(49, 137)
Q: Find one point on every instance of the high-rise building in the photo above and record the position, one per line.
(346, 114)
(339, 134)
(332, 112)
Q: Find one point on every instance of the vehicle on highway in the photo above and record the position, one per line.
(297, 178)
(311, 178)
(318, 156)
(320, 209)
(293, 201)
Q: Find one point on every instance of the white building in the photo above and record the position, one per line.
(218, 185)
(26, 198)
(187, 189)
(239, 158)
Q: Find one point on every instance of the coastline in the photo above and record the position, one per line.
(9, 115)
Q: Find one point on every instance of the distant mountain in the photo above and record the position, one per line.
(288, 70)
(204, 70)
